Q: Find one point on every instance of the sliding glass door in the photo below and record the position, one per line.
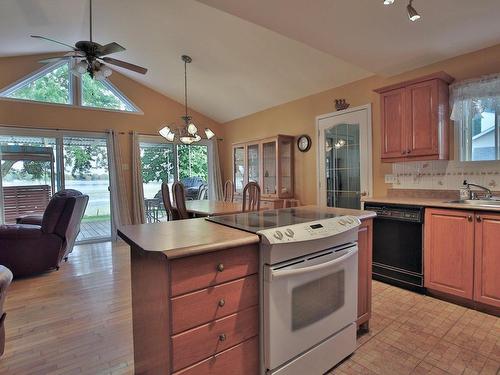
(163, 161)
(86, 169)
(37, 163)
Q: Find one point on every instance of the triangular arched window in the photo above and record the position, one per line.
(55, 83)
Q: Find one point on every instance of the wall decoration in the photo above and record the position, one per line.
(341, 104)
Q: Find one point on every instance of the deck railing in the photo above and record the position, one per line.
(25, 200)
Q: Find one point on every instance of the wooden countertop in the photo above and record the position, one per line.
(182, 238)
(177, 239)
(429, 202)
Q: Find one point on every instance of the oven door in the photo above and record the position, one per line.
(307, 300)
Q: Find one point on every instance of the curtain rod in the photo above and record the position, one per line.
(155, 135)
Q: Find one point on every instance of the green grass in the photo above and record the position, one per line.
(91, 219)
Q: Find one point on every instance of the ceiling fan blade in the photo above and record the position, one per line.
(54, 41)
(67, 56)
(126, 65)
(109, 49)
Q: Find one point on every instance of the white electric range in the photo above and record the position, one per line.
(309, 276)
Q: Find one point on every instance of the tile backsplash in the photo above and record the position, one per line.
(444, 174)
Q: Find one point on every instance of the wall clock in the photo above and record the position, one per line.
(304, 143)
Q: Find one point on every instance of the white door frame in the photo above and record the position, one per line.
(369, 162)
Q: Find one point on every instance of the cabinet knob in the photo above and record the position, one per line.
(220, 267)
(403, 152)
(479, 218)
(408, 151)
(222, 302)
(222, 337)
(469, 217)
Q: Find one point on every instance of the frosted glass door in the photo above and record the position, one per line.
(345, 158)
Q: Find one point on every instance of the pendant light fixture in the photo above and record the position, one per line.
(412, 12)
(188, 132)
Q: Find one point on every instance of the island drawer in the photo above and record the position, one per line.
(202, 271)
(205, 341)
(200, 307)
(240, 359)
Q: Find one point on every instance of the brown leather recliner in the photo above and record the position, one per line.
(5, 280)
(38, 244)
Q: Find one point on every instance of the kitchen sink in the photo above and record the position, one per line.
(477, 202)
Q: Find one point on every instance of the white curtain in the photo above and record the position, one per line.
(215, 175)
(467, 94)
(138, 216)
(119, 196)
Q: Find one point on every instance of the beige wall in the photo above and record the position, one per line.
(158, 109)
(298, 117)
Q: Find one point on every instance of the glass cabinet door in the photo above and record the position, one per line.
(239, 168)
(253, 163)
(269, 165)
(285, 156)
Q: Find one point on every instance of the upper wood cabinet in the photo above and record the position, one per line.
(415, 118)
(269, 162)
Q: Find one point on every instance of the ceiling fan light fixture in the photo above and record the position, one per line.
(164, 131)
(106, 70)
(412, 12)
(388, 2)
(80, 67)
(187, 140)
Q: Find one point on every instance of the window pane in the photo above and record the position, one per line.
(480, 130)
(53, 87)
(98, 94)
(193, 168)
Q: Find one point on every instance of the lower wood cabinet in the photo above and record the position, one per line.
(365, 246)
(487, 259)
(462, 254)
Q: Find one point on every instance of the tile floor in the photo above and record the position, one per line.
(415, 334)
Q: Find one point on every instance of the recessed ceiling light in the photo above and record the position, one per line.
(412, 12)
(388, 2)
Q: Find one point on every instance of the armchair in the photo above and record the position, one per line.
(34, 245)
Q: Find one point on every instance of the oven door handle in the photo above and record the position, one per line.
(275, 274)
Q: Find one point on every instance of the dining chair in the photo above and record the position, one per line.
(203, 192)
(171, 210)
(228, 191)
(180, 200)
(252, 203)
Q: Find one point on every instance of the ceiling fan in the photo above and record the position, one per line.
(91, 56)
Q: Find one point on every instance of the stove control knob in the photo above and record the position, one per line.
(278, 235)
(289, 232)
(349, 220)
(342, 222)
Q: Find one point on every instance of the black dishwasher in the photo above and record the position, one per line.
(397, 245)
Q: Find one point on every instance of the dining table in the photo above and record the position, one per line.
(210, 207)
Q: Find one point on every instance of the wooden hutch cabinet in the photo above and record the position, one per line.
(269, 162)
(414, 119)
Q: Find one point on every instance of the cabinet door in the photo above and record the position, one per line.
(365, 272)
(253, 161)
(487, 259)
(270, 167)
(285, 167)
(239, 168)
(449, 251)
(422, 119)
(393, 124)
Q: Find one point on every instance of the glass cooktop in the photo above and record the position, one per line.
(258, 220)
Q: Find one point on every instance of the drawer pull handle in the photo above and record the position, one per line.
(222, 302)
(220, 267)
(222, 337)
(478, 218)
(469, 217)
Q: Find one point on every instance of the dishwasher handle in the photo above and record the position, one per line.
(276, 274)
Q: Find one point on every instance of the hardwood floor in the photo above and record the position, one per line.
(75, 320)
(78, 321)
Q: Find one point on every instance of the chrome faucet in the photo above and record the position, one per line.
(473, 195)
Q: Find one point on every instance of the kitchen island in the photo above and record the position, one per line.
(195, 295)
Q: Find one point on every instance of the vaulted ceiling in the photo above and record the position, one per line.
(252, 55)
